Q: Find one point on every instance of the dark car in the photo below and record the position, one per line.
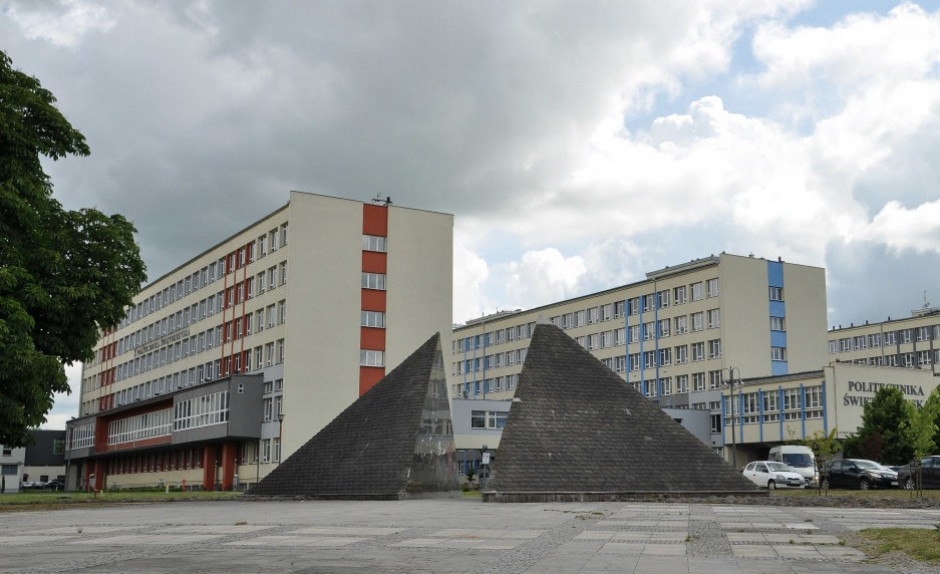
(858, 473)
(930, 473)
(54, 485)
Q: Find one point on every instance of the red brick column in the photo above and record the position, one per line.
(229, 451)
(100, 474)
(208, 467)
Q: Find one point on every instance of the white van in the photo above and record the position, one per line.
(801, 458)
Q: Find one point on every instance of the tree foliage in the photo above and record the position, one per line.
(922, 426)
(882, 436)
(64, 275)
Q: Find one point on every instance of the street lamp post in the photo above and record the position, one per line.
(280, 432)
(731, 384)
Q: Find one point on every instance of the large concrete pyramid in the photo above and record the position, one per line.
(577, 431)
(395, 441)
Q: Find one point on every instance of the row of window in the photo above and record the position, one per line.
(155, 333)
(680, 325)
(494, 361)
(201, 411)
(274, 314)
(907, 360)
(875, 340)
(208, 274)
(488, 419)
(178, 459)
(765, 406)
(253, 359)
(141, 427)
(489, 385)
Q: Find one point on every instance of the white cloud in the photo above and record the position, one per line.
(63, 23)
(513, 118)
(66, 405)
(901, 229)
(470, 273)
(543, 276)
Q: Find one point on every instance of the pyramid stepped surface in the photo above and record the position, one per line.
(394, 442)
(577, 431)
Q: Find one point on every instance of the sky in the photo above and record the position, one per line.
(579, 145)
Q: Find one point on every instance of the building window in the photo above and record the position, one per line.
(682, 383)
(714, 318)
(664, 328)
(776, 324)
(696, 291)
(665, 356)
(681, 324)
(714, 379)
(682, 354)
(372, 319)
(373, 243)
(373, 281)
(679, 295)
(716, 424)
(698, 382)
(776, 293)
(371, 358)
(711, 288)
(487, 419)
(698, 351)
(714, 349)
(698, 321)
(778, 353)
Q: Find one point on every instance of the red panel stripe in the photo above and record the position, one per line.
(368, 377)
(375, 220)
(373, 300)
(373, 262)
(372, 338)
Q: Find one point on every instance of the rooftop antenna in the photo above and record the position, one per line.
(378, 199)
(926, 303)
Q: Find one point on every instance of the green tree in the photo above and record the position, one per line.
(882, 436)
(64, 275)
(923, 428)
(824, 446)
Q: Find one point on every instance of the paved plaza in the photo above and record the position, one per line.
(444, 535)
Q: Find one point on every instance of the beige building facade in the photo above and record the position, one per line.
(678, 336)
(766, 411)
(317, 301)
(911, 342)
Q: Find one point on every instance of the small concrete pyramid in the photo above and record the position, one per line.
(393, 442)
(576, 431)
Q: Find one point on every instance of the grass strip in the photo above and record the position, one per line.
(920, 544)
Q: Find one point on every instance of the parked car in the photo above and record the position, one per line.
(930, 473)
(858, 473)
(772, 474)
(54, 484)
(799, 458)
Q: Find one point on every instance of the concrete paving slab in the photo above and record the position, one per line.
(433, 536)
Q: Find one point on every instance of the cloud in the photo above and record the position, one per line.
(63, 23)
(66, 404)
(543, 276)
(903, 229)
(201, 116)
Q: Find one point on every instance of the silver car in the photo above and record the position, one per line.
(771, 474)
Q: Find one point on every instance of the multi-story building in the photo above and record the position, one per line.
(911, 342)
(678, 336)
(11, 467)
(767, 411)
(241, 354)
